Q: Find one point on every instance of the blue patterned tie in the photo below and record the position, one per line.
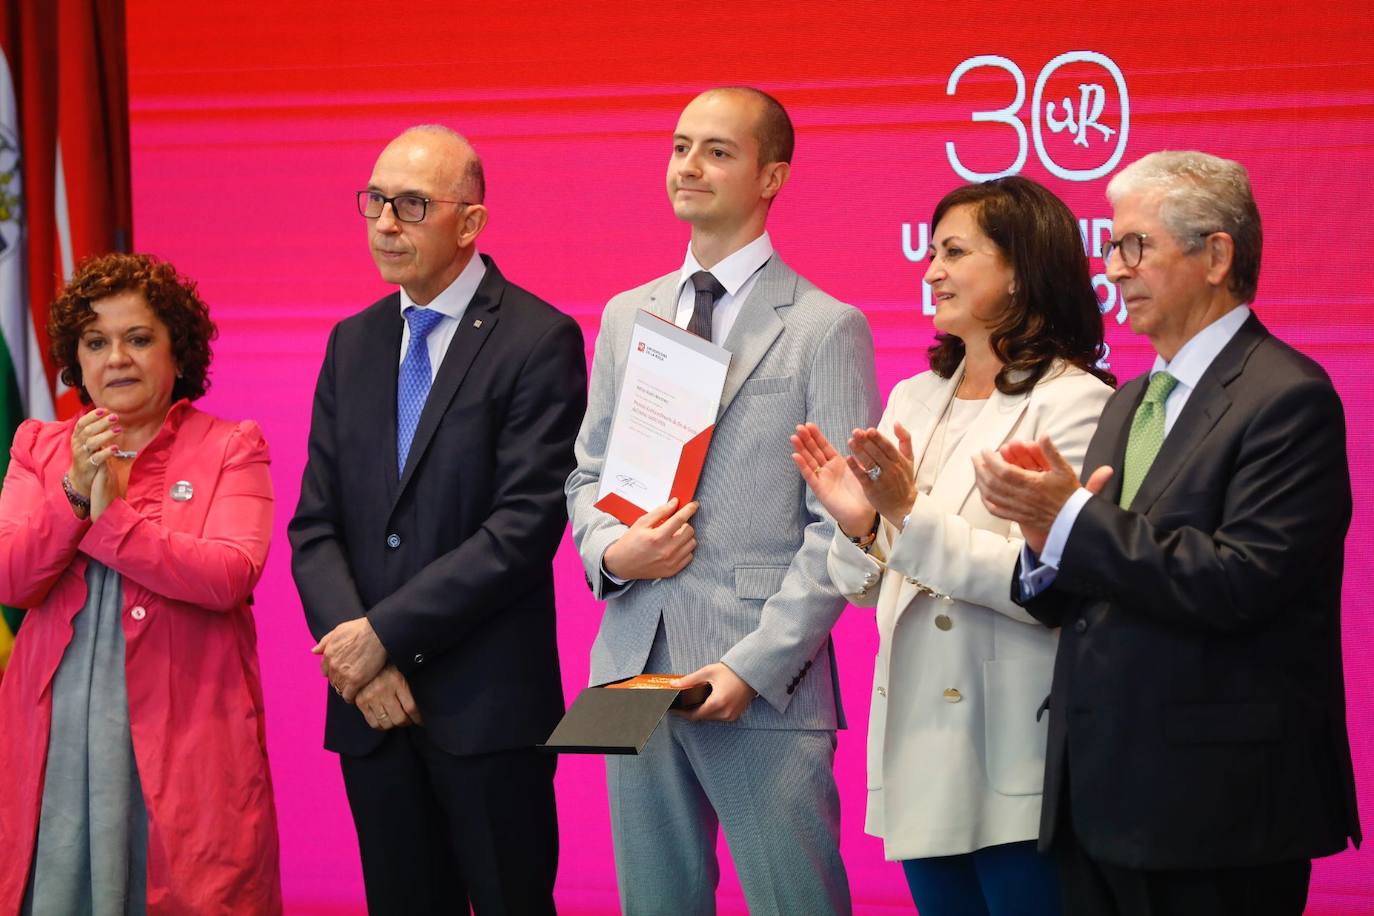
(412, 386)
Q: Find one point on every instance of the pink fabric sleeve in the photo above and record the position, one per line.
(217, 569)
(39, 532)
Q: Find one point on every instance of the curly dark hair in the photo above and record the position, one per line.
(172, 297)
(1054, 312)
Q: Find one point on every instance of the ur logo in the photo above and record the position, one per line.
(11, 193)
(1092, 133)
(1080, 116)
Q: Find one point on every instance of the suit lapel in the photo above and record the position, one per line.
(757, 326)
(663, 298)
(955, 481)
(1206, 405)
(1108, 445)
(936, 402)
(476, 326)
(377, 397)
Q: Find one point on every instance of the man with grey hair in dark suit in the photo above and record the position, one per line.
(1198, 757)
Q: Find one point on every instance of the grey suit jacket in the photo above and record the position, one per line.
(756, 596)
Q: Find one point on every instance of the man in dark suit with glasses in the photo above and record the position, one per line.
(430, 510)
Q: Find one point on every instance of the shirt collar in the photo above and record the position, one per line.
(1193, 358)
(733, 271)
(454, 300)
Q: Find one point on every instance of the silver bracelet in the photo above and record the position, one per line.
(76, 499)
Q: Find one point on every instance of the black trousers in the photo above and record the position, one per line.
(1091, 887)
(440, 833)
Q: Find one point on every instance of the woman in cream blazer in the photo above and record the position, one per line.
(956, 755)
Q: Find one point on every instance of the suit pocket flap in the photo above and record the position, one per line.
(1222, 723)
(758, 582)
(767, 385)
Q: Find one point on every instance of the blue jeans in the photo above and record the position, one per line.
(1008, 880)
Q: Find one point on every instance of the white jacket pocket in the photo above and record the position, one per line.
(1015, 688)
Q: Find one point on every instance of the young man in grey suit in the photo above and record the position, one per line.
(732, 587)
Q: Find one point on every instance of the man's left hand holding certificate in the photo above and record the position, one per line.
(663, 419)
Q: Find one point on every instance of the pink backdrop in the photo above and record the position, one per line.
(252, 129)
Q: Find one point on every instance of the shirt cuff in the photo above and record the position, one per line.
(1039, 573)
(614, 580)
(1035, 576)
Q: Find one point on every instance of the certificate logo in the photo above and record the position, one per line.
(641, 346)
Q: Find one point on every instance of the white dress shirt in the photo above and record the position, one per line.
(737, 273)
(453, 303)
(1187, 366)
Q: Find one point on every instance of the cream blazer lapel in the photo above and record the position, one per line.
(955, 482)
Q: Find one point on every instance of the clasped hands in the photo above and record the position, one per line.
(1028, 483)
(94, 443)
(354, 661)
(877, 477)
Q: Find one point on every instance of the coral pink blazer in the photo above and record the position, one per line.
(195, 701)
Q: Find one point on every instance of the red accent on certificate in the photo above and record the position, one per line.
(664, 418)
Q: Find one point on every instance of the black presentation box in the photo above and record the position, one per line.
(618, 717)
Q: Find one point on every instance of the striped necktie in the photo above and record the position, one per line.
(709, 292)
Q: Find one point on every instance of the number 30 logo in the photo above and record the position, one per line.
(1092, 100)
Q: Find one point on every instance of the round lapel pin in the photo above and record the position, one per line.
(182, 491)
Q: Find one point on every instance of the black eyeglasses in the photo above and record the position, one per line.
(409, 208)
(1131, 247)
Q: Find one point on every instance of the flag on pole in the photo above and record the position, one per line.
(64, 189)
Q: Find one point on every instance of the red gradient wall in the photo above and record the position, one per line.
(254, 122)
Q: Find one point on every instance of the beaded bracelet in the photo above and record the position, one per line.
(76, 499)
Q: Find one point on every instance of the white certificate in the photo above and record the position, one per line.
(663, 420)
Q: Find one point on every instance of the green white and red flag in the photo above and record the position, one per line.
(64, 188)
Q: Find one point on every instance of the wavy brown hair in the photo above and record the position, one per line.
(172, 297)
(1054, 312)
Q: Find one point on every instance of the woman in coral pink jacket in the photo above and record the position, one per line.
(134, 746)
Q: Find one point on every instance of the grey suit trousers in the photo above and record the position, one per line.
(771, 790)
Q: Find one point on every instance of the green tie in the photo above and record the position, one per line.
(1147, 435)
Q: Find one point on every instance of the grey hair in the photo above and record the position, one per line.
(474, 177)
(1200, 193)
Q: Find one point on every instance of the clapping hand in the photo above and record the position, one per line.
(885, 471)
(828, 476)
(1028, 483)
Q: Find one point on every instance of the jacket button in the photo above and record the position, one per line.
(882, 691)
(942, 622)
(139, 612)
(1080, 625)
(393, 541)
(419, 658)
(952, 695)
